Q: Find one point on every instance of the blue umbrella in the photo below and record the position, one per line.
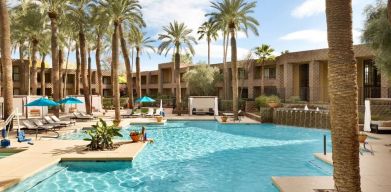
(145, 99)
(70, 100)
(42, 102)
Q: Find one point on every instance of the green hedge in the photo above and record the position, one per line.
(226, 105)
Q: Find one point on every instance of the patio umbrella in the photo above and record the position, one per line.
(70, 101)
(41, 102)
(145, 99)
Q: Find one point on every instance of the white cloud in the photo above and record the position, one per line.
(217, 51)
(192, 13)
(310, 35)
(309, 8)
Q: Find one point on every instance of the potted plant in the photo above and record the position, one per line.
(101, 136)
(224, 119)
(362, 137)
(135, 135)
(159, 119)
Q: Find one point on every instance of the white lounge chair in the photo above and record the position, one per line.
(158, 112)
(127, 113)
(150, 112)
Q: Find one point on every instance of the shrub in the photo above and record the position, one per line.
(101, 136)
(294, 99)
(263, 101)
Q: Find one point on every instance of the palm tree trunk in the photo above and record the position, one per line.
(6, 59)
(33, 77)
(343, 96)
(78, 66)
(208, 50)
(129, 77)
(55, 67)
(225, 66)
(89, 71)
(235, 96)
(83, 55)
(60, 65)
(24, 66)
(66, 70)
(43, 86)
(98, 67)
(138, 73)
(115, 63)
(177, 72)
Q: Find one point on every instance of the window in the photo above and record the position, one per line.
(106, 80)
(15, 74)
(242, 73)
(257, 72)
(270, 73)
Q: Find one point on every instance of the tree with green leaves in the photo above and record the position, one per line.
(54, 9)
(209, 31)
(177, 37)
(377, 33)
(235, 14)
(264, 53)
(31, 21)
(141, 43)
(119, 11)
(202, 79)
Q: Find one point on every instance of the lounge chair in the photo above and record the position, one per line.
(158, 112)
(50, 121)
(149, 113)
(78, 116)
(48, 125)
(203, 111)
(22, 137)
(57, 120)
(86, 115)
(31, 126)
(127, 113)
(136, 114)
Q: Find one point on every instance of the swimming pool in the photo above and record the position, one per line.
(195, 156)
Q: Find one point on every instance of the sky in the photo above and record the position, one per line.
(294, 25)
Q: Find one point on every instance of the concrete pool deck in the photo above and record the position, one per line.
(375, 170)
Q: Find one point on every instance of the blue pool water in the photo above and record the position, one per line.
(195, 156)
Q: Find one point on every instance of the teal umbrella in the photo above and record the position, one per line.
(70, 100)
(41, 102)
(145, 99)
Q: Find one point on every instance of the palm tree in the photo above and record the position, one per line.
(209, 30)
(32, 20)
(389, 11)
(343, 96)
(54, 10)
(44, 49)
(78, 68)
(119, 11)
(235, 14)
(77, 10)
(6, 59)
(140, 42)
(178, 37)
(264, 53)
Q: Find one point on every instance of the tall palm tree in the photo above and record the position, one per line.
(178, 37)
(78, 11)
(78, 68)
(209, 31)
(54, 10)
(141, 43)
(44, 49)
(389, 11)
(119, 11)
(6, 59)
(343, 96)
(236, 15)
(33, 21)
(264, 53)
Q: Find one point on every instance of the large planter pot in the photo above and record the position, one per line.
(135, 138)
(224, 119)
(272, 104)
(159, 119)
(362, 138)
